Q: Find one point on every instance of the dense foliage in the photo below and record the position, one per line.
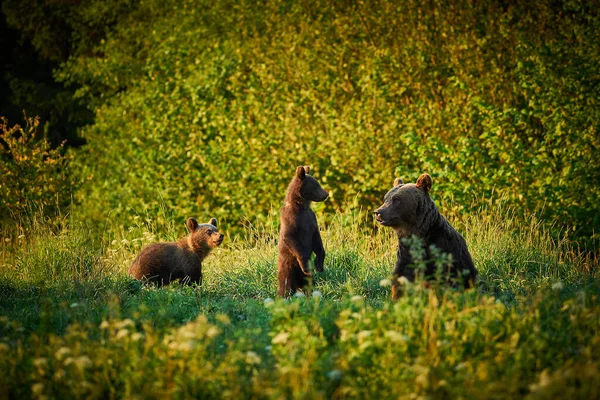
(36, 36)
(206, 107)
(34, 175)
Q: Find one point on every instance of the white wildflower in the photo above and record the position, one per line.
(403, 281)
(396, 336)
(83, 362)
(212, 332)
(137, 336)
(186, 346)
(558, 286)
(299, 294)
(252, 358)
(122, 333)
(280, 338)
(316, 293)
(362, 335)
(126, 323)
(40, 362)
(385, 283)
(62, 352)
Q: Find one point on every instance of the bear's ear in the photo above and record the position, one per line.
(307, 169)
(192, 224)
(424, 182)
(398, 182)
(213, 222)
(300, 172)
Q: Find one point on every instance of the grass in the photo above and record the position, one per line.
(73, 324)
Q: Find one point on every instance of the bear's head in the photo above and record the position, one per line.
(402, 203)
(310, 189)
(204, 236)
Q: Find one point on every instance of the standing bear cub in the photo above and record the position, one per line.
(409, 210)
(162, 263)
(299, 234)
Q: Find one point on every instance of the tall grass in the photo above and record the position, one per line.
(73, 324)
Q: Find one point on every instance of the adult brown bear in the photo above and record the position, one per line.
(162, 263)
(299, 234)
(409, 210)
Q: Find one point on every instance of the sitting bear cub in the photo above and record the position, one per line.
(163, 263)
(299, 233)
(409, 210)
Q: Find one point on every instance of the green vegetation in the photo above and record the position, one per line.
(194, 100)
(74, 325)
(205, 108)
(34, 175)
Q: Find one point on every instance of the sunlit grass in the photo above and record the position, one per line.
(66, 295)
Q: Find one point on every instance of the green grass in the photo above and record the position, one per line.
(73, 324)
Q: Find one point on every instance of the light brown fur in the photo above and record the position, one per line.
(163, 263)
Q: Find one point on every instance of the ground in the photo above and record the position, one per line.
(73, 323)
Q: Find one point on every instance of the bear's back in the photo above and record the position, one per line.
(445, 237)
(165, 262)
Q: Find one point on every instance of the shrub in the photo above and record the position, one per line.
(34, 176)
(201, 106)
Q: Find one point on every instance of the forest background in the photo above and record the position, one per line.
(205, 108)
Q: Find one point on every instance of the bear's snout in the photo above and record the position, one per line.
(377, 215)
(382, 215)
(325, 195)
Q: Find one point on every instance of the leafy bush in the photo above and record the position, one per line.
(206, 108)
(34, 176)
(424, 345)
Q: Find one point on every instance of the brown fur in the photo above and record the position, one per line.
(409, 210)
(163, 263)
(299, 234)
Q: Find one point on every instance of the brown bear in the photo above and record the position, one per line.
(409, 210)
(299, 233)
(163, 263)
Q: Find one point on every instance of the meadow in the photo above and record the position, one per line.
(74, 325)
(119, 119)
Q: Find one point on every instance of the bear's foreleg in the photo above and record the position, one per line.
(319, 250)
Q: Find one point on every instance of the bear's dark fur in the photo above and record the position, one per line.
(162, 263)
(409, 210)
(299, 234)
